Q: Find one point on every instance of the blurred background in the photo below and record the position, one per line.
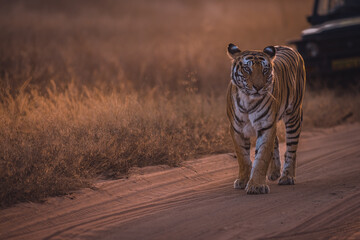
(164, 43)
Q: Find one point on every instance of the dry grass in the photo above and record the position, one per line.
(50, 145)
(89, 89)
(327, 108)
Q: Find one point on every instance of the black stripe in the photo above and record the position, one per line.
(292, 119)
(241, 108)
(264, 113)
(293, 131)
(237, 119)
(235, 129)
(281, 115)
(253, 108)
(288, 56)
(293, 125)
(234, 116)
(244, 147)
(292, 143)
(287, 97)
(266, 128)
(264, 104)
(233, 72)
(295, 137)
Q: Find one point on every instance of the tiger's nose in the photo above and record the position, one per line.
(257, 88)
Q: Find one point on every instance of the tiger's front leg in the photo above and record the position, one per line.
(264, 151)
(242, 148)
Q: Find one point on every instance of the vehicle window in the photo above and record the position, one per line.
(329, 6)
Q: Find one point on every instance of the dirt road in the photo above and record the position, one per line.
(197, 201)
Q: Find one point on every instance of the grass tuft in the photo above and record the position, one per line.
(54, 144)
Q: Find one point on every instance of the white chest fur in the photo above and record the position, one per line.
(247, 123)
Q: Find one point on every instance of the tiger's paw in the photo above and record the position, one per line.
(274, 175)
(273, 172)
(240, 184)
(286, 180)
(253, 188)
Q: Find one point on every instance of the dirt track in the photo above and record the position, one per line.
(197, 201)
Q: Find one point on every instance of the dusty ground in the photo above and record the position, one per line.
(197, 201)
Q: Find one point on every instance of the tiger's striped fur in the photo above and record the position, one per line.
(265, 87)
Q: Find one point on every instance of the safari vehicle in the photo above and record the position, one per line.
(331, 46)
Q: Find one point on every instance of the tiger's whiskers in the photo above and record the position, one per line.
(272, 96)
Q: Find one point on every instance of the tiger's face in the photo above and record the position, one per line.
(252, 71)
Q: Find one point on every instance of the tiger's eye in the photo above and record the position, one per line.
(247, 69)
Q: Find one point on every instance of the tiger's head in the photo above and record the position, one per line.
(252, 71)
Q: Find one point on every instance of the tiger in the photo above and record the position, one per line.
(265, 87)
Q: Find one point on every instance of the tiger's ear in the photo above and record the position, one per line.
(233, 50)
(270, 50)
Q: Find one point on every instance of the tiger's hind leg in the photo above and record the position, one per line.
(275, 165)
(242, 148)
(293, 129)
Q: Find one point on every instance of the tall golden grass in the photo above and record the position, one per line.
(50, 145)
(90, 90)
